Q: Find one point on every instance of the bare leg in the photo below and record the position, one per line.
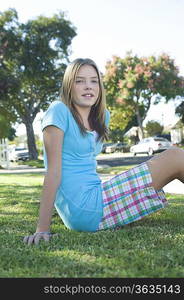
(167, 166)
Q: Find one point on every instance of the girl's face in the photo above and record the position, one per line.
(85, 88)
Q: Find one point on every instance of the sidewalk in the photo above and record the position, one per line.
(22, 169)
(174, 187)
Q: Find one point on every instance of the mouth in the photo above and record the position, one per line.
(88, 95)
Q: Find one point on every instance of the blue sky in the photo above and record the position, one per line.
(113, 27)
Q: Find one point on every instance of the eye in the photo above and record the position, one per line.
(79, 81)
(94, 81)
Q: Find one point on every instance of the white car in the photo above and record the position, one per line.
(19, 154)
(151, 145)
(109, 148)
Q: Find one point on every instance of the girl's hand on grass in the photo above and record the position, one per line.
(36, 237)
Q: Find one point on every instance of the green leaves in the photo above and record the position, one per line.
(6, 131)
(33, 57)
(153, 128)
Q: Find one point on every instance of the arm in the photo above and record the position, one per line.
(53, 141)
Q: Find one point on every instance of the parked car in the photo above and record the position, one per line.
(165, 136)
(19, 154)
(109, 148)
(122, 147)
(104, 147)
(151, 145)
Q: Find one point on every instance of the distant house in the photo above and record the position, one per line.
(177, 133)
(133, 131)
(133, 134)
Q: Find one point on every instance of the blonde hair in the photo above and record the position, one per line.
(96, 117)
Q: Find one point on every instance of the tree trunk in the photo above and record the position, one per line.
(139, 122)
(33, 153)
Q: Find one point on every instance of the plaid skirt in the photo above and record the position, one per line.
(129, 196)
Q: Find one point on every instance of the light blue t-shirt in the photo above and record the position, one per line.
(79, 196)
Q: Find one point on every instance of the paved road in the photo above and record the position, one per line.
(108, 160)
(121, 159)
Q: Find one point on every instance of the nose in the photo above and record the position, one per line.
(88, 85)
(88, 88)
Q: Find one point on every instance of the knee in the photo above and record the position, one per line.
(176, 159)
(176, 152)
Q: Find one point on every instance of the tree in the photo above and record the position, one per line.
(7, 119)
(180, 110)
(8, 80)
(6, 130)
(153, 128)
(35, 55)
(121, 121)
(135, 82)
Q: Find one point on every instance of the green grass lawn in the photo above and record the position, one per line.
(153, 247)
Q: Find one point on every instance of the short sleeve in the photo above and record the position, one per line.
(57, 115)
(107, 117)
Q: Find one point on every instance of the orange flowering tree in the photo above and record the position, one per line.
(133, 83)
